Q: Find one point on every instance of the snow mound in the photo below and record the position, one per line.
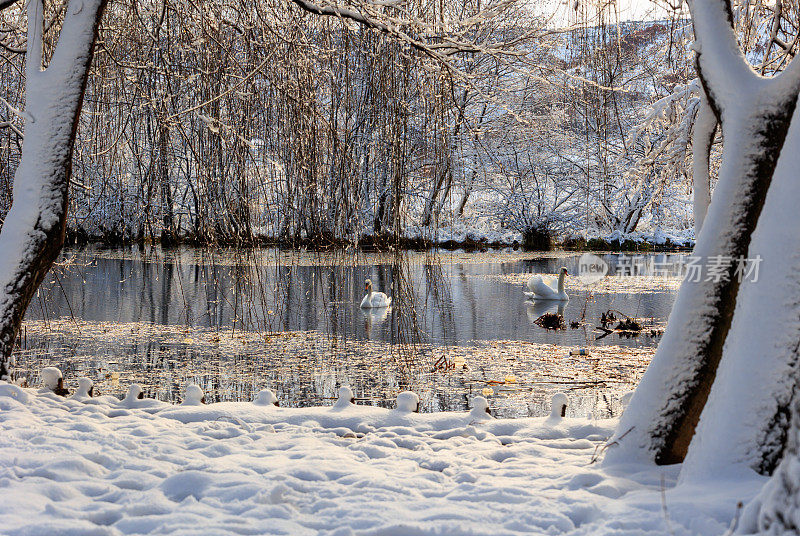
(346, 398)
(407, 402)
(266, 397)
(51, 377)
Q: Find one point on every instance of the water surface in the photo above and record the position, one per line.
(99, 315)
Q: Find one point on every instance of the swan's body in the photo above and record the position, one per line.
(545, 287)
(374, 299)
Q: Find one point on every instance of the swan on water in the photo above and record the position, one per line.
(545, 287)
(374, 299)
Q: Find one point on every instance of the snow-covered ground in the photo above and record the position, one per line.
(103, 466)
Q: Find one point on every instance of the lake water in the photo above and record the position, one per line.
(235, 322)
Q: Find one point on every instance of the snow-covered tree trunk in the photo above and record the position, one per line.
(775, 509)
(33, 231)
(754, 114)
(745, 422)
(705, 126)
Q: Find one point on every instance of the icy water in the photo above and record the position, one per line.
(235, 322)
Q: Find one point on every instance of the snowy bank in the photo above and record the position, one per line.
(87, 465)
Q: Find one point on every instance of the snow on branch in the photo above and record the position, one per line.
(35, 30)
(723, 67)
(428, 40)
(719, 57)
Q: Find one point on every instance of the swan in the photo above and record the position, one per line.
(374, 299)
(544, 287)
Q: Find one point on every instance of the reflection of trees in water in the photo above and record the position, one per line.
(235, 290)
(471, 303)
(438, 291)
(405, 333)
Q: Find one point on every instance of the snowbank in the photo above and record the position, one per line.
(683, 238)
(102, 466)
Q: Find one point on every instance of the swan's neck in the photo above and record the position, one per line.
(561, 283)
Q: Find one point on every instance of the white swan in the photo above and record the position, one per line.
(374, 299)
(545, 287)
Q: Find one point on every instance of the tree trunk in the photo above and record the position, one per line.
(745, 422)
(755, 118)
(168, 233)
(33, 231)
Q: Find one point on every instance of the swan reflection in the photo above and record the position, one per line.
(374, 317)
(535, 309)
